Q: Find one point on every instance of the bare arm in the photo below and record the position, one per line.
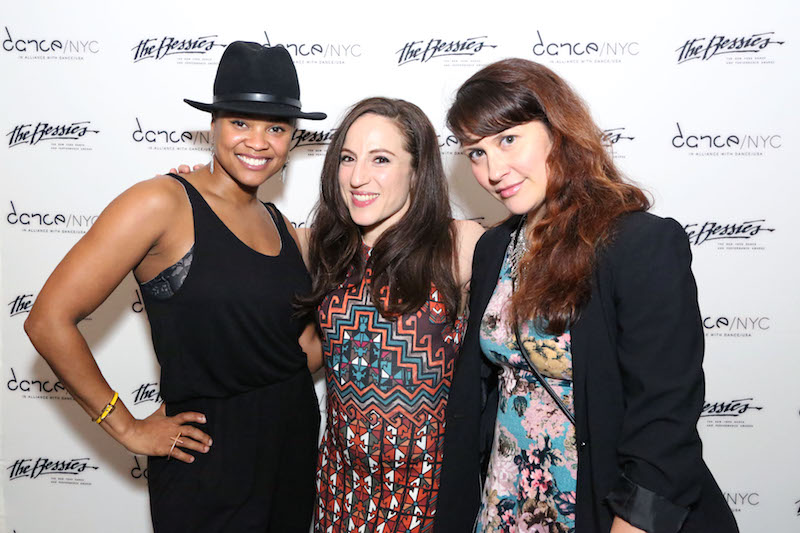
(468, 232)
(303, 235)
(312, 346)
(309, 339)
(129, 229)
(621, 526)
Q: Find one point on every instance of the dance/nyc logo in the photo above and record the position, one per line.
(706, 48)
(140, 470)
(47, 48)
(732, 232)
(44, 466)
(741, 500)
(37, 387)
(158, 48)
(318, 52)
(49, 132)
(424, 51)
(729, 413)
(584, 51)
(725, 144)
(49, 222)
(735, 326)
(449, 143)
(171, 139)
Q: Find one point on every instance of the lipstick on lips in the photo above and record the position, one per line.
(510, 191)
(363, 199)
(253, 163)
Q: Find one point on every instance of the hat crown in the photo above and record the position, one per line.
(247, 67)
(257, 80)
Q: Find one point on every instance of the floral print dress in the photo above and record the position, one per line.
(532, 476)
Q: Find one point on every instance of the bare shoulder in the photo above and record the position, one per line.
(300, 236)
(159, 195)
(468, 232)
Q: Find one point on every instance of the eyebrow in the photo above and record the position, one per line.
(375, 151)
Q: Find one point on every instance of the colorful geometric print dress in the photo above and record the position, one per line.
(387, 383)
(532, 477)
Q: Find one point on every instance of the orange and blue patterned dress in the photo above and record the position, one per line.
(387, 383)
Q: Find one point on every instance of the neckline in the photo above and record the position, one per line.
(236, 237)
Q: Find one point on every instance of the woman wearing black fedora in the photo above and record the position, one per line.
(218, 270)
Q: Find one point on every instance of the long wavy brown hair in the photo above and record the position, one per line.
(408, 257)
(585, 191)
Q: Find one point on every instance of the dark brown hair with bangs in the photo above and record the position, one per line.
(585, 191)
(408, 257)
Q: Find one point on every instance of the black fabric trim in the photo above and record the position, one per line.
(257, 97)
(645, 509)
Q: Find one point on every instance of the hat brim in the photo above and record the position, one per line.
(257, 108)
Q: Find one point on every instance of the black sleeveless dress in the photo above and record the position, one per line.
(227, 345)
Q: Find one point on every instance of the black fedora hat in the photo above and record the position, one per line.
(256, 80)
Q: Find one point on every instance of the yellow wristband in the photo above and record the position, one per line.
(108, 409)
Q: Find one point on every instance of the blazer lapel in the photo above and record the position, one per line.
(489, 255)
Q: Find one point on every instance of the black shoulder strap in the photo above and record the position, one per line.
(527, 356)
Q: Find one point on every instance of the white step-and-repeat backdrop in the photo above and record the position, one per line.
(698, 99)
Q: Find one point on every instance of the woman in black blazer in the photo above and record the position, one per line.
(616, 333)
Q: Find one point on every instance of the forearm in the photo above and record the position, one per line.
(621, 526)
(312, 346)
(65, 350)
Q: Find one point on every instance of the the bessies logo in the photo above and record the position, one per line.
(735, 326)
(583, 51)
(710, 144)
(739, 501)
(742, 49)
(61, 471)
(146, 392)
(48, 221)
(456, 52)
(172, 139)
(28, 46)
(57, 136)
(37, 388)
(185, 50)
(318, 52)
(314, 142)
(21, 304)
(616, 139)
(745, 235)
(729, 413)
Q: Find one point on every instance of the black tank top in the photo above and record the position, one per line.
(229, 328)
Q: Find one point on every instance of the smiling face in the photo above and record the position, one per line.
(512, 165)
(375, 173)
(250, 149)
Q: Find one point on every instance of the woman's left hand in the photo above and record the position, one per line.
(621, 526)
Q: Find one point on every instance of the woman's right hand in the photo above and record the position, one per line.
(184, 169)
(156, 434)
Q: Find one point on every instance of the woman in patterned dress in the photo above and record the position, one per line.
(584, 286)
(390, 268)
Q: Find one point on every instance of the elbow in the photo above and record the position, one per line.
(38, 325)
(34, 325)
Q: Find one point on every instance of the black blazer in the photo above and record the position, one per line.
(637, 350)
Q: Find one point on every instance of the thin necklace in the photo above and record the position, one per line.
(519, 249)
